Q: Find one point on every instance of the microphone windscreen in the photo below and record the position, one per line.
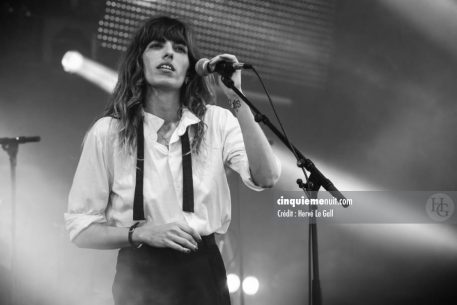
(201, 67)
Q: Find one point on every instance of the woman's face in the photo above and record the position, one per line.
(165, 64)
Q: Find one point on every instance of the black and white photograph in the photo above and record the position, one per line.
(228, 152)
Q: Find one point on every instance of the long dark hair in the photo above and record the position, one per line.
(128, 98)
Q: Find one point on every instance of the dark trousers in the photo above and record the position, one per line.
(162, 276)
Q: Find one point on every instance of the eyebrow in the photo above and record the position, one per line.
(181, 44)
(163, 40)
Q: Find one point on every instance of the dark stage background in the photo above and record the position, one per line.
(374, 107)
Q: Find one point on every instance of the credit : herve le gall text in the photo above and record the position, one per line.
(287, 213)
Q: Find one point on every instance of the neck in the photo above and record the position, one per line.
(164, 104)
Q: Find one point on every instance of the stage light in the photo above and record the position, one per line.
(104, 77)
(233, 282)
(250, 285)
(72, 61)
(436, 19)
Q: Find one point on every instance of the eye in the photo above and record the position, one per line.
(155, 45)
(180, 48)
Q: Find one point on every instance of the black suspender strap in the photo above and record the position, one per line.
(188, 187)
(138, 210)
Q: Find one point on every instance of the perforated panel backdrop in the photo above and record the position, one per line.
(287, 41)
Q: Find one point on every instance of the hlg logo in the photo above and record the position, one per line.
(440, 207)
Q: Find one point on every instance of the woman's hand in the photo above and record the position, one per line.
(236, 76)
(177, 235)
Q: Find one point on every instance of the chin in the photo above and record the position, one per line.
(166, 85)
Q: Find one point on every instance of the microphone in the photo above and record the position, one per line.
(203, 68)
(18, 140)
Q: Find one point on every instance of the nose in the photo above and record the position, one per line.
(168, 50)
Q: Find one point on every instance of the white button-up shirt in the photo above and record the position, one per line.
(104, 183)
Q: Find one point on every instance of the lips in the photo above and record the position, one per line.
(166, 67)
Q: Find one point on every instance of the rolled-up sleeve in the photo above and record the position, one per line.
(234, 151)
(90, 190)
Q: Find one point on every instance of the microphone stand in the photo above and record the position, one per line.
(311, 188)
(11, 146)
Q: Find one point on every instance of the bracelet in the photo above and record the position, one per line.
(131, 230)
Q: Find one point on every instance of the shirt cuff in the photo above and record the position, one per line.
(246, 176)
(76, 223)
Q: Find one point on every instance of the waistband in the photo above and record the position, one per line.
(208, 240)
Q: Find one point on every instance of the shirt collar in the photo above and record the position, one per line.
(187, 118)
(152, 121)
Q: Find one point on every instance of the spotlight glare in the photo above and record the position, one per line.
(233, 282)
(104, 77)
(72, 61)
(250, 285)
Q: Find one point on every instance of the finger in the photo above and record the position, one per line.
(188, 229)
(184, 242)
(187, 236)
(229, 57)
(175, 246)
(196, 235)
(214, 60)
(221, 57)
